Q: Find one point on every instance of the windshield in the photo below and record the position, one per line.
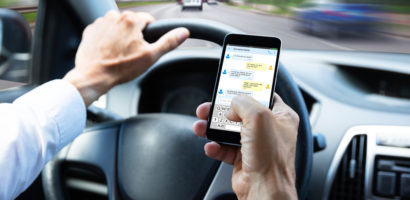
(330, 25)
(355, 25)
(349, 25)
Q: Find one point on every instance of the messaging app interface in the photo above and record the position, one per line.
(245, 71)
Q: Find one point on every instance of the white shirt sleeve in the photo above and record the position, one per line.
(33, 129)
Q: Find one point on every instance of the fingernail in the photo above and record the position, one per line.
(183, 35)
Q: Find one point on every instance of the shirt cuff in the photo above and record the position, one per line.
(63, 104)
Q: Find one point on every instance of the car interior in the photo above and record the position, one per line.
(354, 108)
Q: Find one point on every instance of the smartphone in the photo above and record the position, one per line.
(248, 66)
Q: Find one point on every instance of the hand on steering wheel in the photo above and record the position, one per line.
(121, 56)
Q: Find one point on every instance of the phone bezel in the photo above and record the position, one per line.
(230, 137)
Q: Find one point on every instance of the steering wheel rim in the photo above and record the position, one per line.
(285, 87)
(199, 29)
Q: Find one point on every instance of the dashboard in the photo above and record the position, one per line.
(360, 102)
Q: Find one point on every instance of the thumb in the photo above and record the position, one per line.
(243, 107)
(169, 41)
(278, 105)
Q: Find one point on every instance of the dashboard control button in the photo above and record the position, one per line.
(386, 183)
(405, 186)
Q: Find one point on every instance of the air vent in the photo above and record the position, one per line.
(84, 182)
(385, 83)
(349, 180)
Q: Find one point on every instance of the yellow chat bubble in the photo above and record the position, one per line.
(252, 86)
(256, 66)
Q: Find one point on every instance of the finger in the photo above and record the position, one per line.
(145, 18)
(140, 20)
(223, 153)
(280, 108)
(279, 105)
(199, 128)
(243, 106)
(112, 14)
(203, 110)
(231, 115)
(169, 41)
(277, 100)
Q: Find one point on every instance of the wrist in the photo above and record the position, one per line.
(276, 184)
(90, 87)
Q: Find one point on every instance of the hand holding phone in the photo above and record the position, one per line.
(248, 66)
(267, 154)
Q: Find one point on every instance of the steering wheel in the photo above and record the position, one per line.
(157, 156)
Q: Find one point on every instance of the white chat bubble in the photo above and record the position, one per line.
(238, 92)
(241, 74)
(242, 57)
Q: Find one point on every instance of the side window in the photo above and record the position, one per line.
(17, 18)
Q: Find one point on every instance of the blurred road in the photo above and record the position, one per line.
(283, 28)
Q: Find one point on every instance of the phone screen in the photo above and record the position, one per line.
(245, 71)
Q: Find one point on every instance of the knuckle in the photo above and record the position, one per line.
(145, 15)
(148, 55)
(129, 22)
(87, 30)
(110, 14)
(292, 114)
(295, 116)
(172, 41)
(98, 20)
(288, 114)
(261, 113)
(146, 52)
(127, 19)
(127, 12)
(291, 117)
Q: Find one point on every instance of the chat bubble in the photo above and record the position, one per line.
(241, 74)
(242, 57)
(256, 66)
(239, 92)
(252, 86)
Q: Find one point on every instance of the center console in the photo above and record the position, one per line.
(371, 162)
